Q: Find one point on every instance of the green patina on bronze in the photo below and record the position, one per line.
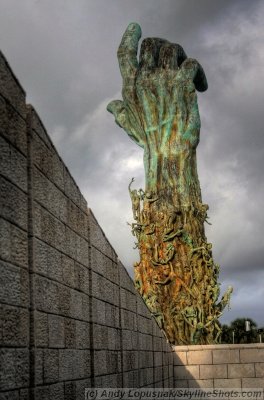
(176, 275)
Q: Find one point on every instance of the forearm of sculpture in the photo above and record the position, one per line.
(191, 133)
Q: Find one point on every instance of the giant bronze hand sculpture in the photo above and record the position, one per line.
(176, 275)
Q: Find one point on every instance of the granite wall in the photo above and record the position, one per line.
(70, 316)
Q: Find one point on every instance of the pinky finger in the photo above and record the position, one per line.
(191, 69)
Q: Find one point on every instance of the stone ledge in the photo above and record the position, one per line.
(218, 347)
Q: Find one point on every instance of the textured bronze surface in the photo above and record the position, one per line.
(176, 275)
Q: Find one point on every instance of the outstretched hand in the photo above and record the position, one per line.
(154, 86)
(159, 109)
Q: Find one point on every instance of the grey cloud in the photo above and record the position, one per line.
(247, 299)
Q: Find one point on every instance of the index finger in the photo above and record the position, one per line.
(127, 51)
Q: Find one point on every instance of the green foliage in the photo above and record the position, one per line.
(240, 334)
(226, 336)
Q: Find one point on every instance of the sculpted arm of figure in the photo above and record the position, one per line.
(159, 110)
(129, 186)
(186, 319)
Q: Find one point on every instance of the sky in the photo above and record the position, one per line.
(64, 55)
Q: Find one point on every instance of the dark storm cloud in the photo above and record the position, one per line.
(64, 54)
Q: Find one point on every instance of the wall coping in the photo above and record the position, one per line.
(195, 347)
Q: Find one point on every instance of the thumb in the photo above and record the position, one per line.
(117, 108)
